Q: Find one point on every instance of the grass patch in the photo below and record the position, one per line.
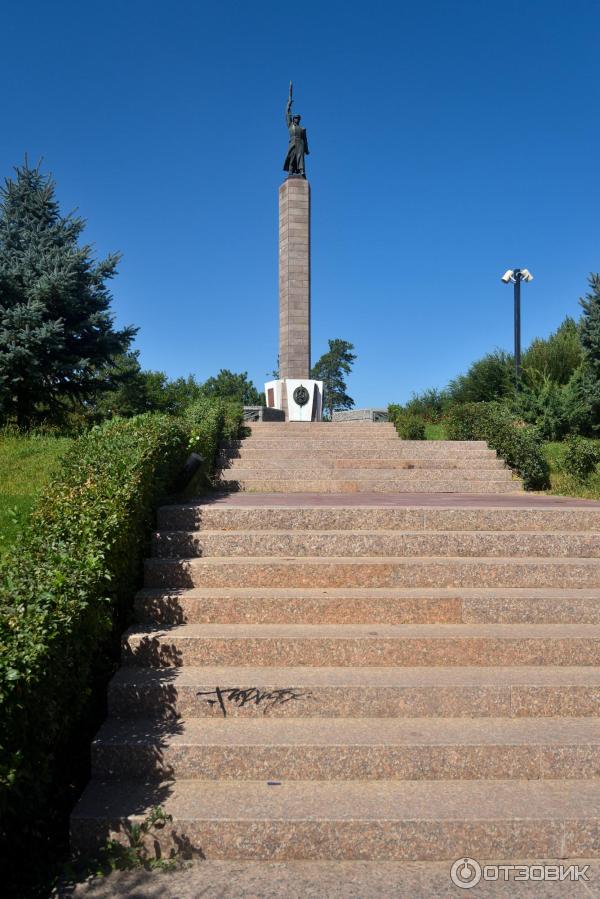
(26, 463)
(435, 431)
(562, 484)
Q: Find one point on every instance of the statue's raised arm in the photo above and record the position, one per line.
(288, 108)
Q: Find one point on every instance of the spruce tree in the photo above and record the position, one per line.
(586, 381)
(56, 329)
(332, 368)
(589, 326)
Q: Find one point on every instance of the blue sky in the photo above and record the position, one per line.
(449, 141)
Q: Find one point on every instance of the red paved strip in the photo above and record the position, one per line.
(414, 500)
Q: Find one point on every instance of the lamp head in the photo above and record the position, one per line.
(526, 274)
(508, 276)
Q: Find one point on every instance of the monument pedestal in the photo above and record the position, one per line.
(301, 398)
(294, 278)
(295, 392)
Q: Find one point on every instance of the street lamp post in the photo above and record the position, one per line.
(517, 275)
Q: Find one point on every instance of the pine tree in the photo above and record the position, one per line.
(331, 368)
(56, 329)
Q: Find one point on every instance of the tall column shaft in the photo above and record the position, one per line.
(294, 278)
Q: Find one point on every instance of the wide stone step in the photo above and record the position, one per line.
(331, 452)
(186, 544)
(329, 428)
(349, 749)
(367, 485)
(219, 516)
(363, 644)
(321, 425)
(264, 441)
(301, 473)
(399, 605)
(310, 462)
(231, 571)
(330, 879)
(465, 692)
(351, 819)
(409, 448)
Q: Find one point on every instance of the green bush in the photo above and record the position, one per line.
(430, 405)
(210, 421)
(520, 446)
(409, 426)
(66, 591)
(67, 580)
(583, 397)
(232, 420)
(547, 407)
(581, 458)
(554, 358)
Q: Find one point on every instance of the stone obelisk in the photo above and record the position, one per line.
(294, 392)
(294, 278)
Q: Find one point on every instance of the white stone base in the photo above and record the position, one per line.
(274, 394)
(280, 395)
(313, 409)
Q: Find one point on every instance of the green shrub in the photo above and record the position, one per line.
(581, 458)
(409, 426)
(520, 446)
(554, 358)
(429, 405)
(67, 581)
(232, 420)
(583, 397)
(547, 406)
(66, 591)
(467, 421)
(210, 421)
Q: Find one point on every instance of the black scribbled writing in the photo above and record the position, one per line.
(243, 696)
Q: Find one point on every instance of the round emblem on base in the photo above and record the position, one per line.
(301, 395)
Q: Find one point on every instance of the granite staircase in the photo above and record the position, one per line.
(373, 677)
(298, 457)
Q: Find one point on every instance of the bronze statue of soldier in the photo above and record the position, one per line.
(298, 145)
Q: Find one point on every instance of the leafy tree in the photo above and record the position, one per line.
(56, 329)
(332, 368)
(132, 390)
(489, 378)
(228, 385)
(554, 359)
(179, 393)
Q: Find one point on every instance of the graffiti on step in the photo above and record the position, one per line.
(243, 696)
